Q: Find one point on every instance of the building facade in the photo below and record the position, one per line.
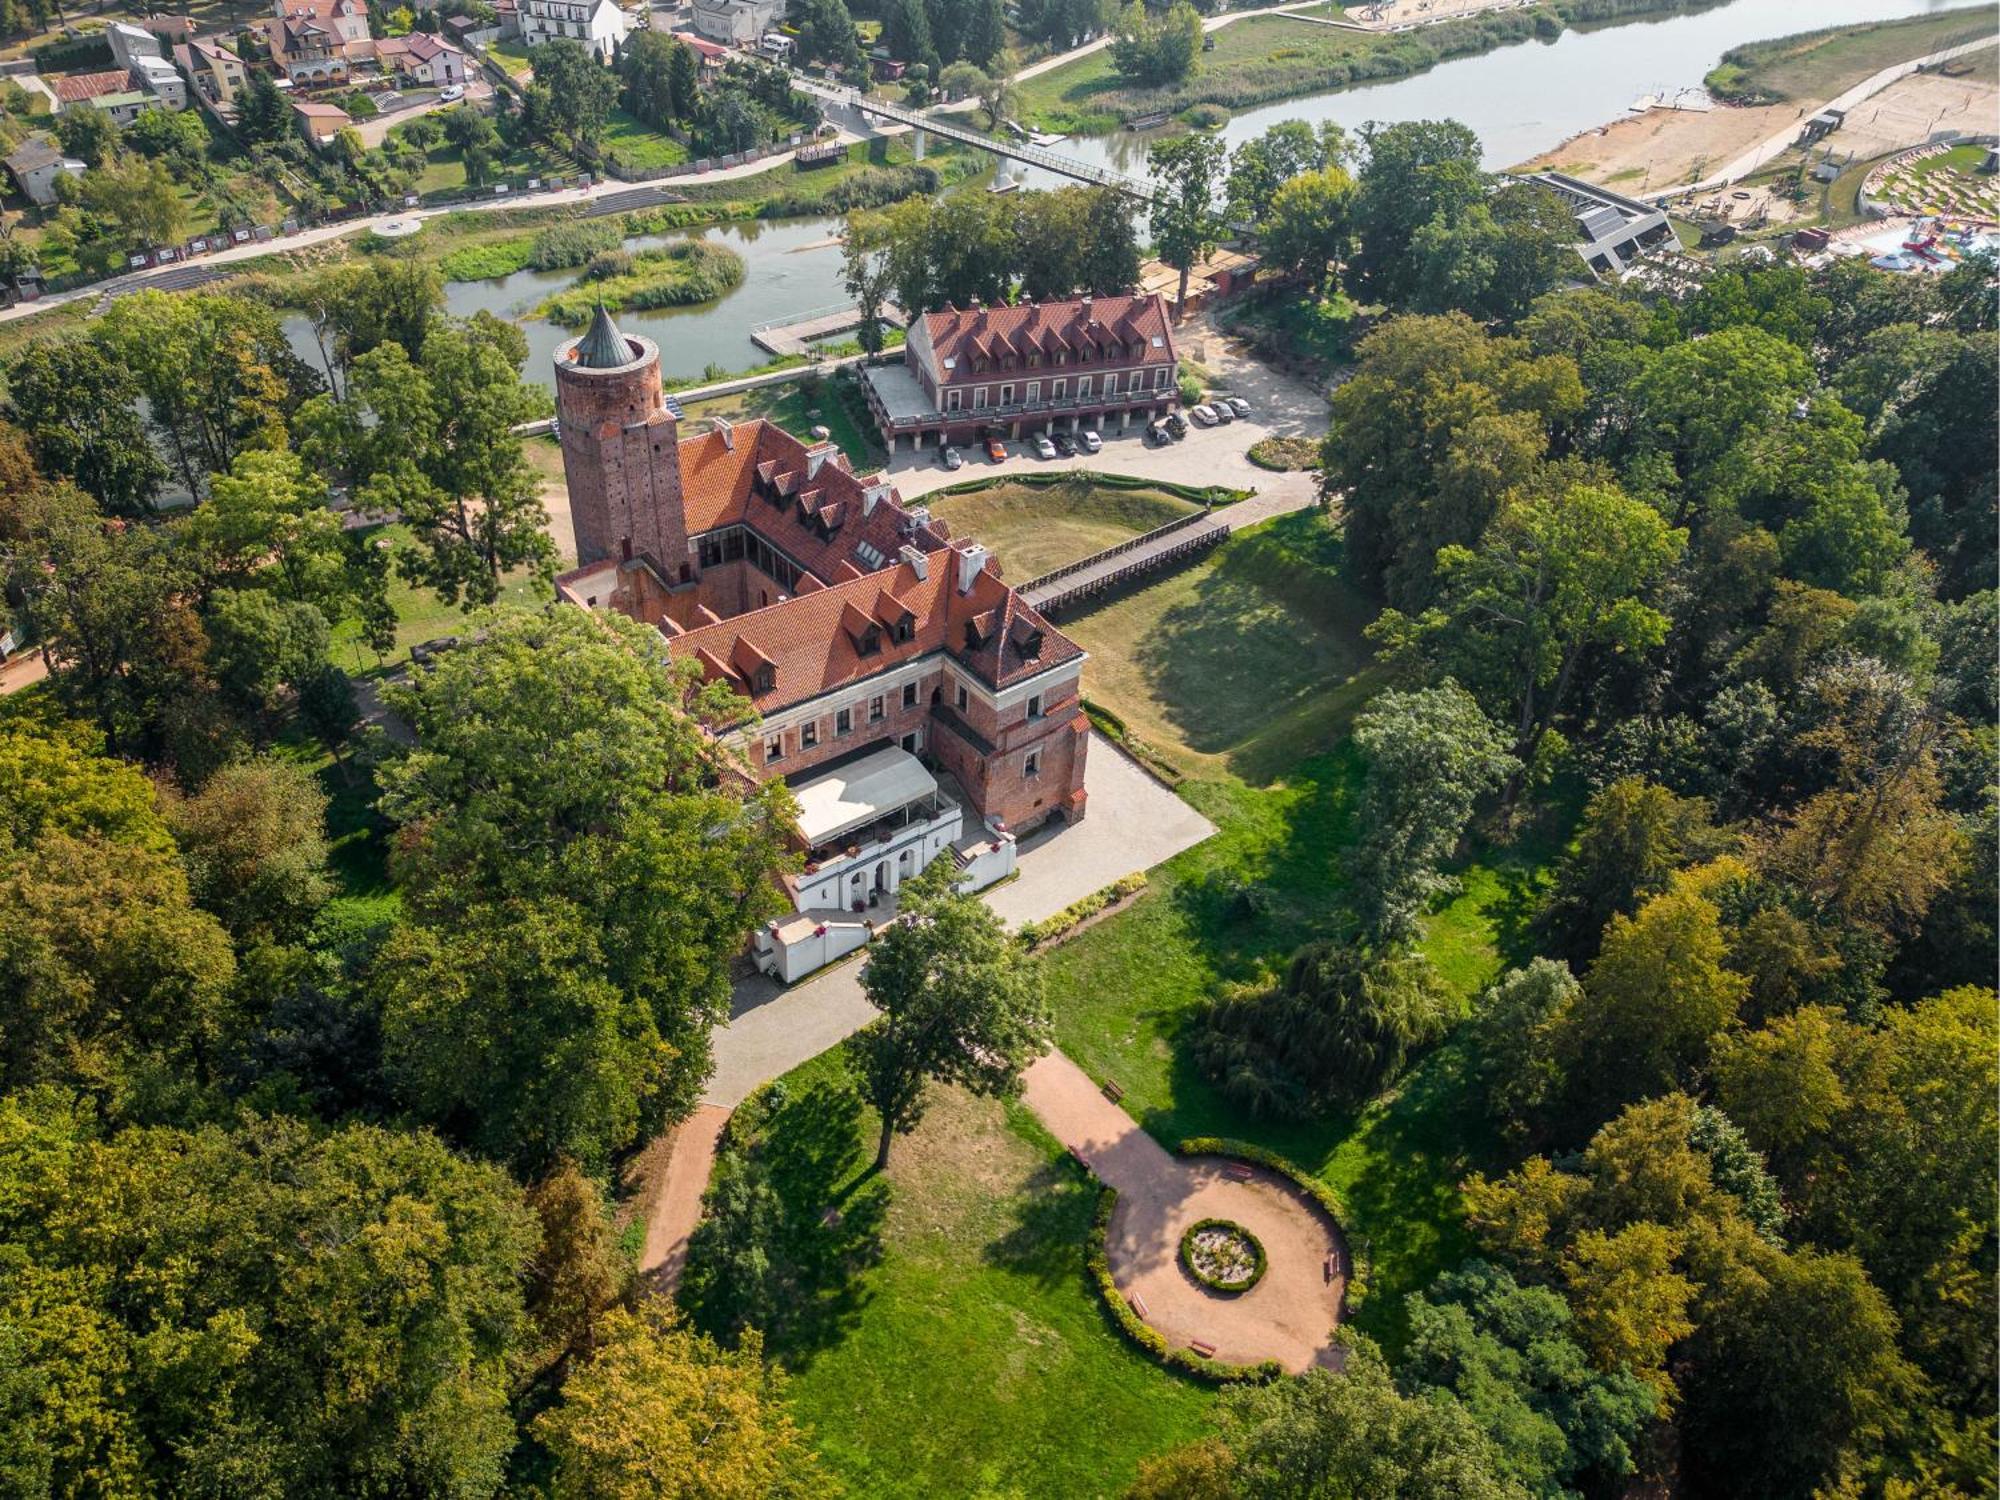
(1034, 367)
(736, 23)
(421, 58)
(319, 41)
(214, 67)
(911, 699)
(598, 24)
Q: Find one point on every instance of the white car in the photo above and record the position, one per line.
(1090, 441)
(1043, 447)
(1204, 414)
(451, 93)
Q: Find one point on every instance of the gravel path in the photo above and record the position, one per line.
(1288, 1316)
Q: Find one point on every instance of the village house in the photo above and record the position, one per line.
(914, 703)
(217, 72)
(111, 90)
(319, 123)
(737, 23)
(421, 58)
(319, 41)
(1032, 367)
(598, 24)
(35, 165)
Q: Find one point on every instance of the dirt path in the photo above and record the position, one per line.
(677, 1208)
(1288, 1316)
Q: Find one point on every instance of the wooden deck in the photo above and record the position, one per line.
(1086, 581)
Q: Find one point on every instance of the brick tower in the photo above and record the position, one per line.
(621, 451)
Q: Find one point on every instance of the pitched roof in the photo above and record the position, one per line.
(313, 111)
(32, 156)
(807, 641)
(603, 347)
(959, 339)
(78, 87)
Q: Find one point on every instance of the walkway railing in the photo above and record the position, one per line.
(1177, 541)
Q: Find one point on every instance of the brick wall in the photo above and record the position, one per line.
(621, 461)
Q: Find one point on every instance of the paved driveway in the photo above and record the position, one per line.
(1133, 824)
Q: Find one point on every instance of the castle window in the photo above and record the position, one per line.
(961, 699)
(875, 709)
(765, 680)
(1033, 765)
(906, 628)
(909, 695)
(1035, 706)
(809, 734)
(774, 748)
(843, 721)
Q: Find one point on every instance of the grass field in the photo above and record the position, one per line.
(1034, 529)
(638, 145)
(971, 1358)
(1244, 664)
(420, 614)
(798, 410)
(1816, 65)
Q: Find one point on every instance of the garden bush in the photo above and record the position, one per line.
(1034, 934)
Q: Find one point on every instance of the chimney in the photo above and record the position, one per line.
(816, 456)
(919, 562)
(971, 562)
(728, 433)
(873, 496)
(916, 517)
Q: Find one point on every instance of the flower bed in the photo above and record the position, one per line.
(1222, 1256)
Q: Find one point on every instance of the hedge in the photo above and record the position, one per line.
(1108, 724)
(1211, 494)
(1357, 1251)
(1034, 934)
(1148, 1338)
(1214, 1284)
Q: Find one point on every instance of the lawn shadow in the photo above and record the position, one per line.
(1051, 1216)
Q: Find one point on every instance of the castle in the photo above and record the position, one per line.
(909, 697)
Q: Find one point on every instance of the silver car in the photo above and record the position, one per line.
(1238, 405)
(1043, 447)
(1090, 441)
(1204, 414)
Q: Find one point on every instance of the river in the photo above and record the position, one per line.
(1520, 100)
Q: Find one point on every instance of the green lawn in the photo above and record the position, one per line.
(966, 1355)
(420, 615)
(1033, 529)
(798, 411)
(1244, 664)
(638, 145)
(515, 58)
(1816, 65)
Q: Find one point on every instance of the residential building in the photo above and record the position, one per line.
(213, 66)
(422, 58)
(915, 704)
(161, 81)
(319, 123)
(110, 90)
(598, 24)
(129, 43)
(319, 41)
(1030, 367)
(712, 57)
(737, 23)
(35, 165)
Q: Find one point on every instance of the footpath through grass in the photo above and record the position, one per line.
(1815, 65)
(965, 1354)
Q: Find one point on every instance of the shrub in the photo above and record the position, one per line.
(1206, 116)
(677, 275)
(611, 263)
(1034, 934)
(1359, 1269)
(573, 244)
(1191, 1252)
(1283, 454)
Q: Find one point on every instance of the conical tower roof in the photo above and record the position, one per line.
(604, 347)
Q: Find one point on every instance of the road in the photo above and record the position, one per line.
(418, 102)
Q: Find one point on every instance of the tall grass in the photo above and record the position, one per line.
(677, 275)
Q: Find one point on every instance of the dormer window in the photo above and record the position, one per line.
(906, 629)
(764, 680)
(870, 642)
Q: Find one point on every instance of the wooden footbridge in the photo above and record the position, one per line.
(1088, 580)
(797, 335)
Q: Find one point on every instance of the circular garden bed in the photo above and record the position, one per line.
(1222, 1256)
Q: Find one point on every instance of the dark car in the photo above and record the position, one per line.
(1176, 424)
(1065, 444)
(1158, 435)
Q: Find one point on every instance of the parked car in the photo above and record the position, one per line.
(949, 456)
(1204, 415)
(1222, 413)
(1043, 447)
(1176, 424)
(1091, 442)
(1157, 434)
(1238, 405)
(1065, 444)
(996, 450)
(451, 93)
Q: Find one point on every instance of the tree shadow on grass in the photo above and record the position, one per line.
(1051, 1217)
(792, 1221)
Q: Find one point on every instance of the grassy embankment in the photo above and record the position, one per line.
(1816, 65)
(1034, 530)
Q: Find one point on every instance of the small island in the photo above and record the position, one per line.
(677, 275)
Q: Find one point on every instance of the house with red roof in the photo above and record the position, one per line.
(1029, 367)
(915, 704)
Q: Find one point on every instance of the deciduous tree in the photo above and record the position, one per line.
(1188, 169)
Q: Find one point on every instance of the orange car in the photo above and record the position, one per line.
(996, 450)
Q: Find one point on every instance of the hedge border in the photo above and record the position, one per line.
(1360, 1271)
(1053, 929)
(1215, 1283)
(1142, 1334)
(1113, 728)
(1198, 494)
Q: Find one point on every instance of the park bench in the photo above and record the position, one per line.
(1112, 1091)
(1237, 1170)
(1138, 1304)
(1332, 1270)
(1202, 1347)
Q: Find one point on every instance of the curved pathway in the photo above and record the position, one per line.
(1288, 1316)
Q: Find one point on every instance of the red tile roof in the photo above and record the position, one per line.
(812, 641)
(990, 334)
(78, 87)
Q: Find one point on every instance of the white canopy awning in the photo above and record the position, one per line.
(860, 792)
